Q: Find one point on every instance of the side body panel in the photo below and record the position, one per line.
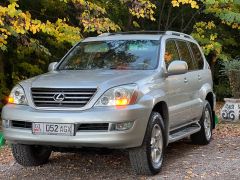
(185, 93)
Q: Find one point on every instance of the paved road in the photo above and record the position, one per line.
(218, 160)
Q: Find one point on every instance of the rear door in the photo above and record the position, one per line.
(200, 77)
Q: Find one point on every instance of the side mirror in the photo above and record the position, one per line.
(52, 66)
(177, 67)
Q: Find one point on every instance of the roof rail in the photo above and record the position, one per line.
(104, 34)
(132, 32)
(174, 33)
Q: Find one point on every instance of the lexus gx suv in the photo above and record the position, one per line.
(138, 91)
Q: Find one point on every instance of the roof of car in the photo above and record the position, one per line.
(135, 35)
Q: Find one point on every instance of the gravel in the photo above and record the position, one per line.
(218, 160)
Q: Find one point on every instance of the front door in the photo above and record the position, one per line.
(178, 89)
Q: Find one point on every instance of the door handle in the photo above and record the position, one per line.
(199, 77)
(185, 80)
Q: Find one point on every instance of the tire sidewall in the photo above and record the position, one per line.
(206, 106)
(155, 118)
(27, 155)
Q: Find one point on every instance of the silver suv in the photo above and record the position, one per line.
(138, 91)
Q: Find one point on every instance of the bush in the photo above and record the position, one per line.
(222, 91)
(3, 91)
(232, 70)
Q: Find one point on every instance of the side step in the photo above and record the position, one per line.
(183, 132)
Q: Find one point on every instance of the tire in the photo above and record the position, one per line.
(204, 136)
(141, 159)
(28, 155)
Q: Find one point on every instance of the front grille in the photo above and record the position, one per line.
(93, 127)
(72, 98)
(22, 124)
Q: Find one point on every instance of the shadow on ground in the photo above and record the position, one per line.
(220, 159)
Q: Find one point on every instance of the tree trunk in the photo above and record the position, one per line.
(1, 63)
(212, 58)
(160, 18)
(129, 24)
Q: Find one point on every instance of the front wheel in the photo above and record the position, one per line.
(29, 155)
(204, 136)
(148, 159)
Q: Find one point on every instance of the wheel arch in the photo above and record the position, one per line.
(162, 108)
(210, 97)
(206, 93)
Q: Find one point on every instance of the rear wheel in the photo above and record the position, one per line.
(29, 155)
(204, 136)
(148, 159)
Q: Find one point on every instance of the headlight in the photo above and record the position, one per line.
(119, 96)
(17, 96)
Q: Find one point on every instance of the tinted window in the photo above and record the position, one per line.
(115, 54)
(197, 55)
(171, 52)
(185, 54)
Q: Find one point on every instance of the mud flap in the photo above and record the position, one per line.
(2, 140)
(215, 120)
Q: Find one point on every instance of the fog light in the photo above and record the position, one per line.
(123, 126)
(6, 123)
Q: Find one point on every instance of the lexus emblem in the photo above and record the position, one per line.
(59, 97)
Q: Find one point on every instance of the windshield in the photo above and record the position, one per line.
(114, 54)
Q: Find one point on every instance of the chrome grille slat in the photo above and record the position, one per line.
(77, 93)
(73, 98)
(82, 97)
(43, 97)
(63, 102)
(67, 97)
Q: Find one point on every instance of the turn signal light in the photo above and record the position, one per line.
(10, 100)
(121, 102)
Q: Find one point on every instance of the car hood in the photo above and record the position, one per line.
(89, 78)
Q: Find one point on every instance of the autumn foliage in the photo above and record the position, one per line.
(35, 33)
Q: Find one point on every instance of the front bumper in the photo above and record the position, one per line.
(109, 139)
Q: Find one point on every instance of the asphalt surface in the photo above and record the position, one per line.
(218, 160)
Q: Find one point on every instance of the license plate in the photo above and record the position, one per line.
(53, 129)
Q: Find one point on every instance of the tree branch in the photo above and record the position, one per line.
(192, 18)
(160, 15)
(168, 17)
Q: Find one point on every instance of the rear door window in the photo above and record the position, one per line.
(185, 54)
(197, 55)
